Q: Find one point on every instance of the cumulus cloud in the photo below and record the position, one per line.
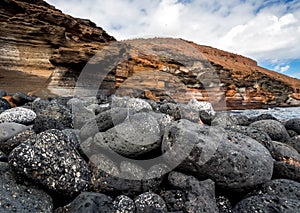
(266, 37)
(282, 68)
(261, 29)
(296, 75)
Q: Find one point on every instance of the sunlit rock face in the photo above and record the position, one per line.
(39, 44)
(46, 52)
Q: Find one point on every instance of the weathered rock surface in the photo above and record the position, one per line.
(18, 115)
(88, 202)
(229, 159)
(258, 135)
(274, 129)
(39, 40)
(51, 161)
(103, 122)
(200, 195)
(287, 168)
(280, 187)
(150, 202)
(8, 145)
(54, 116)
(124, 204)
(128, 178)
(266, 203)
(175, 199)
(136, 136)
(293, 124)
(10, 129)
(295, 142)
(16, 197)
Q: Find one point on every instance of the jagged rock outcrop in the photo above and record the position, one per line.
(178, 69)
(49, 50)
(38, 41)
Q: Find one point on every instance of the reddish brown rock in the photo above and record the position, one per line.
(40, 43)
(10, 100)
(50, 49)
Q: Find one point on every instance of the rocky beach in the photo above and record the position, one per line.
(92, 124)
(121, 154)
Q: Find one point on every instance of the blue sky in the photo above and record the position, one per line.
(265, 30)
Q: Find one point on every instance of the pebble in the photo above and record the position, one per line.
(284, 151)
(256, 134)
(150, 202)
(51, 161)
(124, 204)
(9, 130)
(224, 204)
(136, 136)
(88, 202)
(108, 178)
(295, 142)
(18, 115)
(195, 192)
(229, 159)
(55, 116)
(126, 177)
(20, 98)
(175, 199)
(223, 120)
(202, 106)
(262, 117)
(279, 187)
(293, 124)
(16, 197)
(8, 145)
(273, 128)
(4, 105)
(287, 168)
(267, 203)
(138, 105)
(180, 111)
(39, 105)
(103, 122)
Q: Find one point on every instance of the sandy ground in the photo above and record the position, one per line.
(15, 81)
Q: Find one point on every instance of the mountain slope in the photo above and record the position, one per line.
(205, 73)
(44, 50)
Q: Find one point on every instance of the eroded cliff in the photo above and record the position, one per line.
(51, 50)
(35, 36)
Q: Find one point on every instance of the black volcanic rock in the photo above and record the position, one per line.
(267, 203)
(195, 192)
(228, 158)
(273, 128)
(55, 116)
(16, 197)
(88, 202)
(4, 105)
(150, 203)
(293, 124)
(51, 161)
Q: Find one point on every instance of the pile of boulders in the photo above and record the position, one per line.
(122, 154)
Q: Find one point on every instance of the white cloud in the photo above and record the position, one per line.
(282, 68)
(264, 30)
(296, 75)
(266, 37)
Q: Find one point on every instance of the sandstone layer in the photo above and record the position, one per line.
(35, 35)
(52, 53)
